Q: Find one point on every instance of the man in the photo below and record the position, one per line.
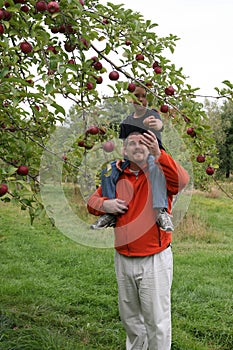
(143, 259)
(141, 120)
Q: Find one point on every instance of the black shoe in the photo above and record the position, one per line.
(106, 220)
(164, 221)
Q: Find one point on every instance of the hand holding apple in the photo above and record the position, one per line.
(152, 123)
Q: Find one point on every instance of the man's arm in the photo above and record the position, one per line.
(98, 205)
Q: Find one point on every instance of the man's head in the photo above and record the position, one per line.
(135, 150)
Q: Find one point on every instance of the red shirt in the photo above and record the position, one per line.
(136, 231)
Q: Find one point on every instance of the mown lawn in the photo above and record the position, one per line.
(58, 295)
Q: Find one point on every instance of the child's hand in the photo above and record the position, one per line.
(152, 123)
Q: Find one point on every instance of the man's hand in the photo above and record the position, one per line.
(149, 139)
(115, 206)
(152, 123)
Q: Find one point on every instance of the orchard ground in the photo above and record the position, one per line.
(58, 294)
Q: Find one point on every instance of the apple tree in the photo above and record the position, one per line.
(57, 51)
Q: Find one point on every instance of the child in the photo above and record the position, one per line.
(141, 120)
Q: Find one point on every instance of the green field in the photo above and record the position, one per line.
(59, 295)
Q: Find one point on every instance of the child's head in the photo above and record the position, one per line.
(140, 103)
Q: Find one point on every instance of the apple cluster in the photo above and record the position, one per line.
(108, 146)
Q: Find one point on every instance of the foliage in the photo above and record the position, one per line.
(48, 56)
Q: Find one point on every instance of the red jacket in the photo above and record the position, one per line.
(136, 233)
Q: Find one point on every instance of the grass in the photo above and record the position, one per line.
(58, 295)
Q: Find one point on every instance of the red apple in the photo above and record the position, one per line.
(149, 84)
(12, 128)
(128, 42)
(210, 170)
(7, 15)
(131, 87)
(158, 70)
(89, 85)
(2, 29)
(69, 47)
(55, 30)
(94, 58)
(82, 2)
(2, 15)
(155, 64)
(93, 130)
(97, 65)
(108, 146)
(3, 189)
(139, 57)
(81, 143)
(85, 43)
(191, 132)
(26, 47)
(169, 91)
(22, 170)
(52, 48)
(164, 108)
(53, 7)
(99, 79)
(41, 6)
(114, 75)
(71, 61)
(200, 158)
(25, 8)
(64, 157)
(105, 21)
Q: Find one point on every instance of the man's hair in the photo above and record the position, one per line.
(125, 141)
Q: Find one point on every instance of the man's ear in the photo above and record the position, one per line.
(124, 152)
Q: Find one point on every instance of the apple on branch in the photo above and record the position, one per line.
(139, 57)
(131, 87)
(3, 189)
(98, 79)
(200, 158)
(89, 85)
(164, 108)
(41, 6)
(2, 29)
(97, 65)
(191, 132)
(108, 146)
(92, 130)
(53, 7)
(169, 91)
(210, 170)
(158, 70)
(26, 47)
(114, 75)
(22, 170)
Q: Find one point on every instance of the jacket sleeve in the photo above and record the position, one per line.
(95, 203)
(176, 176)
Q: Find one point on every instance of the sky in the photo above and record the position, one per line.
(205, 28)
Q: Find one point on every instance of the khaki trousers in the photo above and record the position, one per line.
(144, 296)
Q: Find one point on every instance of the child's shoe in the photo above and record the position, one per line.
(106, 220)
(164, 220)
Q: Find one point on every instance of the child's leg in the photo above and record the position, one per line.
(108, 181)
(159, 195)
(158, 184)
(109, 177)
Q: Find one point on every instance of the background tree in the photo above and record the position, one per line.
(221, 119)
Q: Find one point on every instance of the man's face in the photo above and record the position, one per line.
(135, 150)
(141, 102)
